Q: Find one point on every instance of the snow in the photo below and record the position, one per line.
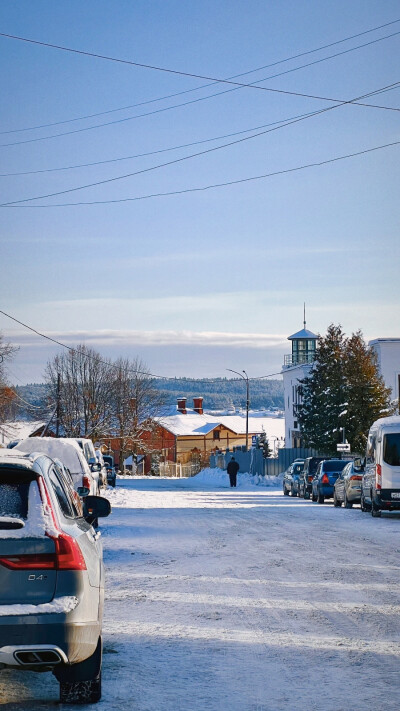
(38, 521)
(240, 600)
(195, 424)
(19, 429)
(58, 605)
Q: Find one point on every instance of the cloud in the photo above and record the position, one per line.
(98, 338)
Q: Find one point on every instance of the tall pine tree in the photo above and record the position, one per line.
(343, 389)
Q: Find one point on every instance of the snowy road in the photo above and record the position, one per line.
(241, 600)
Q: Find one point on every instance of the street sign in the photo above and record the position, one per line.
(254, 439)
(343, 447)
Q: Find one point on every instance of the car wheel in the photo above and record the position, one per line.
(74, 689)
(336, 501)
(306, 494)
(313, 497)
(293, 492)
(364, 506)
(375, 512)
(347, 503)
(285, 492)
(320, 498)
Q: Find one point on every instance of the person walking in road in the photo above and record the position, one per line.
(232, 469)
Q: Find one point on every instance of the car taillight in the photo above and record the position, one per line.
(355, 477)
(325, 479)
(86, 482)
(37, 561)
(378, 476)
(310, 478)
(68, 553)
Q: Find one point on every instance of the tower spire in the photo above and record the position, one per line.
(304, 321)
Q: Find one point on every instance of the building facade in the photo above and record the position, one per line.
(296, 366)
(388, 354)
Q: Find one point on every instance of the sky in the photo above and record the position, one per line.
(197, 282)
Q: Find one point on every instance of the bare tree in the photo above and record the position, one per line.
(7, 395)
(135, 405)
(80, 384)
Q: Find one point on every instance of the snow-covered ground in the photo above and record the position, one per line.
(240, 599)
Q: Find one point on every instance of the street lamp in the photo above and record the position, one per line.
(246, 378)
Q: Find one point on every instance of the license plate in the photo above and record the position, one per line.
(396, 495)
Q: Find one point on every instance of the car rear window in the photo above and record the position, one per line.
(14, 489)
(391, 449)
(297, 468)
(334, 465)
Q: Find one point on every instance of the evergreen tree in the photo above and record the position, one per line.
(323, 394)
(343, 390)
(367, 397)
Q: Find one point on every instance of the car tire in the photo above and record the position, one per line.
(285, 492)
(320, 498)
(293, 492)
(346, 502)
(375, 512)
(364, 506)
(306, 494)
(74, 689)
(336, 501)
(313, 497)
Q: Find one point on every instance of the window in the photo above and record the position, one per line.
(391, 449)
(216, 434)
(14, 489)
(62, 496)
(371, 445)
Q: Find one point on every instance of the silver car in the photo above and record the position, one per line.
(51, 576)
(347, 489)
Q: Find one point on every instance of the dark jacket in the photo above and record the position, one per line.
(233, 467)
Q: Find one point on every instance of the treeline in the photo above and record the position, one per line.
(218, 394)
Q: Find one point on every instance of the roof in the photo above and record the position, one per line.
(20, 429)
(304, 333)
(193, 424)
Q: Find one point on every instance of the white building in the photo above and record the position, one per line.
(388, 354)
(297, 366)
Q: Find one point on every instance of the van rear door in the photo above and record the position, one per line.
(390, 460)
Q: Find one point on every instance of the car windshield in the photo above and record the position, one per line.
(391, 449)
(336, 465)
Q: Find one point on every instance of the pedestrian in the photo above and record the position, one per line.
(232, 469)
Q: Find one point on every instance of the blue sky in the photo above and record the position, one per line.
(199, 282)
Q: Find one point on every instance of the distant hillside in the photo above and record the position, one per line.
(220, 394)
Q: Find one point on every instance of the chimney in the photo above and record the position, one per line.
(198, 405)
(182, 406)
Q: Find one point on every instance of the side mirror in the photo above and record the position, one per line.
(95, 467)
(83, 491)
(96, 507)
(359, 464)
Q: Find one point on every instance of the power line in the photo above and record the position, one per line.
(235, 76)
(113, 365)
(215, 185)
(129, 62)
(193, 155)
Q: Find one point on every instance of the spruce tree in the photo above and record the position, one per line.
(323, 394)
(343, 389)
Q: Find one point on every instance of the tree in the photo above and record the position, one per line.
(343, 390)
(7, 395)
(135, 402)
(80, 382)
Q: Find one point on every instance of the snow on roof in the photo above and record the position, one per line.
(194, 424)
(20, 429)
(304, 333)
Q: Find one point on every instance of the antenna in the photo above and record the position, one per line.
(304, 322)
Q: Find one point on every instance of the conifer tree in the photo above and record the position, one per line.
(343, 390)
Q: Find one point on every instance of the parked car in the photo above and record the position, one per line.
(380, 486)
(325, 477)
(111, 472)
(347, 488)
(51, 577)
(291, 477)
(70, 455)
(307, 475)
(87, 448)
(103, 469)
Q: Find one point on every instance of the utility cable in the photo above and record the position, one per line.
(235, 76)
(113, 365)
(184, 158)
(215, 185)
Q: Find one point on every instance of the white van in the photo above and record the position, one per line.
(380, 489)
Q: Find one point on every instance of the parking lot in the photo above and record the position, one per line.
(240, 599)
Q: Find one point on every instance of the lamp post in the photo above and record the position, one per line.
(246, 378)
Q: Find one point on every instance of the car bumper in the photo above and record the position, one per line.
(383, 499)
(72, 641)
